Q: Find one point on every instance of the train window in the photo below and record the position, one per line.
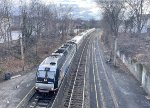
(41, 74)
(50, 74)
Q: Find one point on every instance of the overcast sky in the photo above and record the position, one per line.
(86, 9)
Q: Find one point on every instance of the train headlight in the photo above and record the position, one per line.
(51, 89)
(36, 87)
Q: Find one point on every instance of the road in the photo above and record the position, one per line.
(109, 87)
(14, 90)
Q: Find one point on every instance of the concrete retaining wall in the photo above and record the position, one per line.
(140, 72)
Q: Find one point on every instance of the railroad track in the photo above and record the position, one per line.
(41, 101)
(75, 94)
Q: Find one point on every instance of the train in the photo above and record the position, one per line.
(52, 69)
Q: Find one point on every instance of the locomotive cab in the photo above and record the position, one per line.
(45, 79)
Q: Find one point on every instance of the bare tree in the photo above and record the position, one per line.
(113, 12)
(139, 8)
(64, 17)
(26, 30)
(129, 24)
(37, 22)
(5, 26)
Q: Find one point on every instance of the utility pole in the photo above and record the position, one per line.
(22, 52)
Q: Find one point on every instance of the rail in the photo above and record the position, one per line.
(25, 100)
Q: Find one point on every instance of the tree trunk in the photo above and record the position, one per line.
(22, 53)
(115, 49)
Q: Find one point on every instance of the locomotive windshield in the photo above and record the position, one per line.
(50, 74)
(41, 74)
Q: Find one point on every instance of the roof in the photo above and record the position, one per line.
(49, 62)
(42, 67)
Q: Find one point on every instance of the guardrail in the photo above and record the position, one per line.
(60, 95)
(26, 99)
